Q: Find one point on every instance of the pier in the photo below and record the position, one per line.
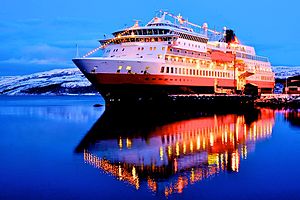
(278, 101)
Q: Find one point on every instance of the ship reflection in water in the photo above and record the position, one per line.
(168, 157)
(293, 116)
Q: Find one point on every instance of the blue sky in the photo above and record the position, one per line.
(38, 35)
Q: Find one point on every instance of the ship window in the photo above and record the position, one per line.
(200, 72)
(175, 70)
(191, 72)
(168, 69)
(162, 69)
(172, 70)
(179, 70)
(183, 71)
(194, 72)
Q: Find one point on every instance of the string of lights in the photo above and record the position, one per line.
(106, 43)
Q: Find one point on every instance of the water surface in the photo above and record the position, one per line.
(64, 148)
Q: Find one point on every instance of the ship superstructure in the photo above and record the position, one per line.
(177, 57)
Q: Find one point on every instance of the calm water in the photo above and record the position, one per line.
(64, 148)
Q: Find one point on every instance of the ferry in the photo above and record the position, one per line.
(170, 55)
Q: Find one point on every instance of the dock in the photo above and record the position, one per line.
(278, 101)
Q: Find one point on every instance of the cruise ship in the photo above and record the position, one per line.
(170, 55)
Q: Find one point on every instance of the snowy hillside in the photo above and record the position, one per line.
(281, 72)
(54, 82)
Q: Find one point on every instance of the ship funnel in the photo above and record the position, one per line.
(229, 36)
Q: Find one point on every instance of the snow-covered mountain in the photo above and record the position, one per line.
(54, 82)
(72, 81)
(282, 72)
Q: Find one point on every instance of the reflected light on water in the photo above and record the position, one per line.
(177, 154)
